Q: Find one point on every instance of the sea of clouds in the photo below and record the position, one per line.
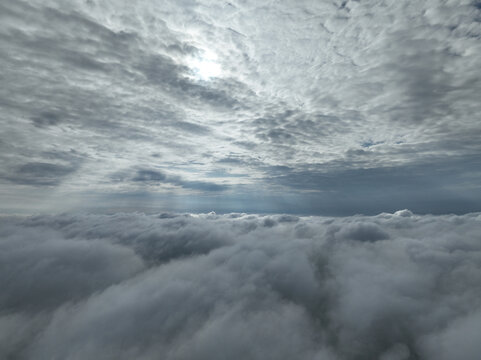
(135, 286)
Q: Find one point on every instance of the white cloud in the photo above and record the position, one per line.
(240, 286)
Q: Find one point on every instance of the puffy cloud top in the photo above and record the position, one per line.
(393, 286)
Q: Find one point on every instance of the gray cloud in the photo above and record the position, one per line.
(440, 186)
(46, 119)
(154, 176)
(392, 286)
(298, 97)
(37, 173)
(289, 107)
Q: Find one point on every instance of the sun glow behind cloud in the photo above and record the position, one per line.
(205, 66)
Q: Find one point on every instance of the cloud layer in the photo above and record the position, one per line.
(391, 287)
(308, 97)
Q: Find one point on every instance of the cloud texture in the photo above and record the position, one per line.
(337, 99)
(390, 287)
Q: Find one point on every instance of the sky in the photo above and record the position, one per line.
(242, 180)
(302, 107)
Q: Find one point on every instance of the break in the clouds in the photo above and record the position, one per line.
(331, 107)
(131, 286)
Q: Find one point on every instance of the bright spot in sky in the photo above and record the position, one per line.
(205, 66)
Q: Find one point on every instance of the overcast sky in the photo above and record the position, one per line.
(252, 180)
(309, 107)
